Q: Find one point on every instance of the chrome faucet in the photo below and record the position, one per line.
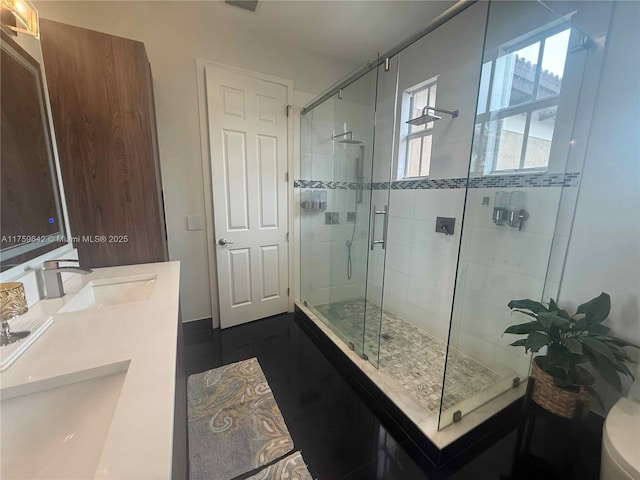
(52, 274)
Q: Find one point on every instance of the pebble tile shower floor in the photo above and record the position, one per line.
(409, 355)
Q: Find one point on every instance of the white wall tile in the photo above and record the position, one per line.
(398, 257)
(400, 230)
(395, 283)
(425, 295)
(476, 213)
(486, 319)
(395, 304)
(417, 316)
(401, 203)
(542, 205)
(428, 320)
(424, 236)
(476, 347)
(427, 266)
(432, 203)
(498, 286)
(510, 250)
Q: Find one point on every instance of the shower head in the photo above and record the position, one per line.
(424, 118)
(427, 117)
(349, 140)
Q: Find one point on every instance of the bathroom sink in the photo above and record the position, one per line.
(112, 291)
(59, 431)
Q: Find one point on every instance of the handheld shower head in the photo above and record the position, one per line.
(347, 141)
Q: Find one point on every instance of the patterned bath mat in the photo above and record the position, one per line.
(235, 425)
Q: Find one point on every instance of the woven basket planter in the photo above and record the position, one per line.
(554, 399)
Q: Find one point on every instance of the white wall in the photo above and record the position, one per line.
(175, 34)
(604, 250)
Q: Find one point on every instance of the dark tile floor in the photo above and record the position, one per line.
(336, 429)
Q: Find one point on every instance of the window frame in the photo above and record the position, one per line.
(529, 107)
(426, 132)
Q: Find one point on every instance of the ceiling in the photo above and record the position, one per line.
(352, 30)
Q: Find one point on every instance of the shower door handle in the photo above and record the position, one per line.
(374, 216)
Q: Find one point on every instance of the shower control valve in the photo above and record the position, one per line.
(445, 225)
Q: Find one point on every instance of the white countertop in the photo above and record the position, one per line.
(139, 337)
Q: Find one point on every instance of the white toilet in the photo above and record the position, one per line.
(621, 437)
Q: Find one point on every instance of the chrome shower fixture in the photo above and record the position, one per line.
(348, 141)
(427, 117)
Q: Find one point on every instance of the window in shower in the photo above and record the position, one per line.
(518, 104)
(417, 139)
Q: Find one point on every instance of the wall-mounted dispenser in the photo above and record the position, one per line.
(508, 208)
(314, 201)
(517, 213)
(501, 208)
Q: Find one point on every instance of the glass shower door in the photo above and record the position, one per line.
(380, 181)
(337, 140)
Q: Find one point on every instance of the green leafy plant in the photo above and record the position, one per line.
(573, 341)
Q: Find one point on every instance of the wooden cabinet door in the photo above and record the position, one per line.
(103, 113)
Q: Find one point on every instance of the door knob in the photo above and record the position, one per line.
(224, 241)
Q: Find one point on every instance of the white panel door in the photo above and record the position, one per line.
(248, 139)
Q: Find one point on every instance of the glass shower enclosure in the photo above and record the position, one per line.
(441, 183)
(337, 211)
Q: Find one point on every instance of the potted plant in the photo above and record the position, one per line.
(560, 380)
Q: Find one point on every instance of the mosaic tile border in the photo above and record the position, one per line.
(524, 180)
(570, 179)
(328, 185)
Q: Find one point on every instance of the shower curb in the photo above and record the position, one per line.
(423, 451)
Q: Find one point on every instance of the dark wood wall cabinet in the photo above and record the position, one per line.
(103, 114)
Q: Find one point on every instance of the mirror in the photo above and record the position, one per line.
(31, 219)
